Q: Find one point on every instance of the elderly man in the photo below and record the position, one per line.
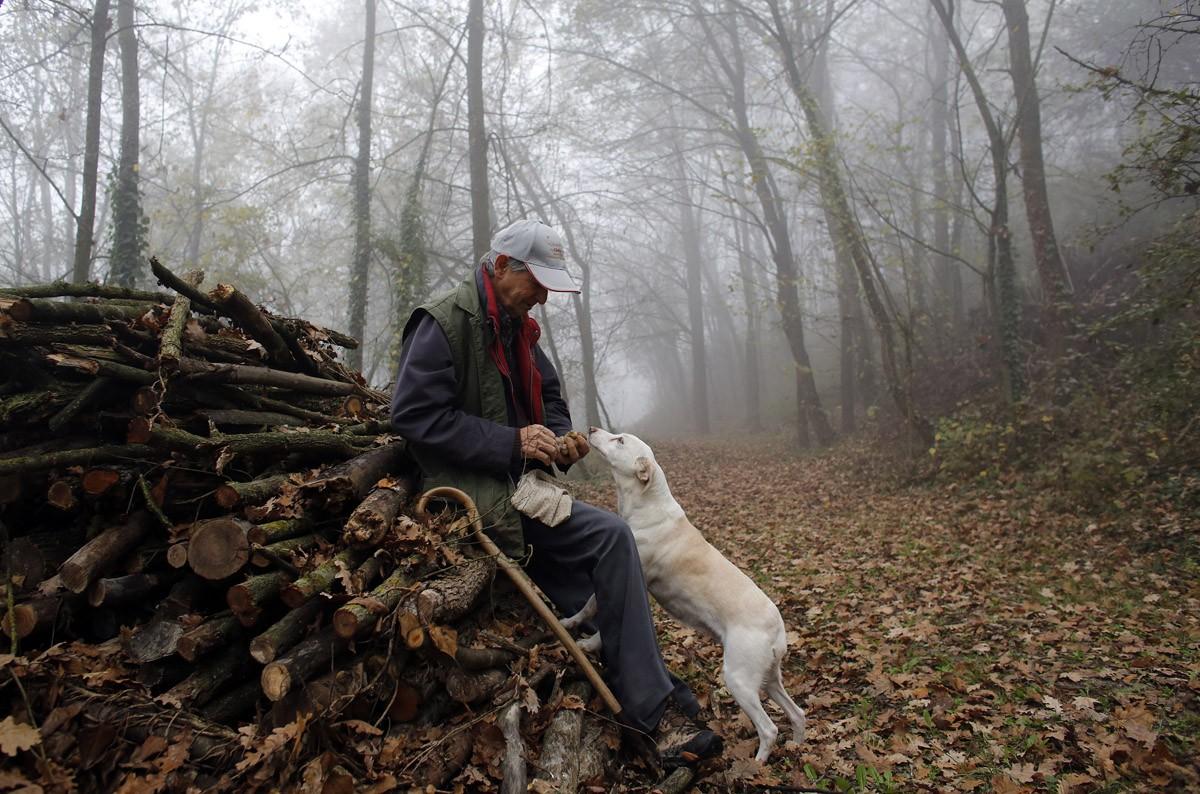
(480, 404)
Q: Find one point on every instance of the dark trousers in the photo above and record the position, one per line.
(594, 551)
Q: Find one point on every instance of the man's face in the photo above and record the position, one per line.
(516, 290)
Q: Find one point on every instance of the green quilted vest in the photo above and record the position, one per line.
(480, 393)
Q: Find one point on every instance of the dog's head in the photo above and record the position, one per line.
(631, 459)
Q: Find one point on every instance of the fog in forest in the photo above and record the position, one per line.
(806, 217)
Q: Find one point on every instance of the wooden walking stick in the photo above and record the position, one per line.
(523, 584)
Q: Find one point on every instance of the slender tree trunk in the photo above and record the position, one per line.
(71, 161)
(476, 134)
(849, 306)
(81, 270)
(1052, 273)
(809, 410)
(939, 128)
(362, 199)
(199, 134)
(999, 236)
(127, 204)
(694, 261)
(843, 227)
(752, 378)
(531, 180)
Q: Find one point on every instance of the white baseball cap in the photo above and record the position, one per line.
(539, 247)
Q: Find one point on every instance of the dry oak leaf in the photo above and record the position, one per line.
(266, 747)
(744, 769)
(1022, 773)
(17, 736)
(1138, 724)
(14, 780)
(359, 726)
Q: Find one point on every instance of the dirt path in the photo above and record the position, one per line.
(941, 640)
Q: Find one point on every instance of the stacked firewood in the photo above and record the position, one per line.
(209, 509)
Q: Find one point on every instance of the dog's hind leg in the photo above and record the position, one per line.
(795, 714)
(590, 644)
(586, 613)
(746, 661)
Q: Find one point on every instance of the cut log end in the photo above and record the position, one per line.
(262, 650)
(276, 681)
(354, 406)
(227, 496)
(21, 310)
(61, 494)
(292, 597)
(240, 599)
(345, 623)
(99, 481)
(177, 555)
(140, 431)
(218, 549)
(24, 617)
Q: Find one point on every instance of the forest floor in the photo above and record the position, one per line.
(941, 637)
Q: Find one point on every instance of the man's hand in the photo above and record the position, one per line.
(571, 448)
(538, 443)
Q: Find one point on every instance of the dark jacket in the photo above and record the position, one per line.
(428, 401)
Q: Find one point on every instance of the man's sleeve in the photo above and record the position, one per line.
(554, 405)
(423, 409)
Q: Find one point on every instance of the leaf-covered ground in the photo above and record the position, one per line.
(941, 639)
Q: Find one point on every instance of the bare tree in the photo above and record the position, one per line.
(84, 229)
(810, 414)
(128, 238)
(693, 258)
(1052, 273)
(476, 134)
(1001, 272)
(362, 195)
(946, 274)
(844, 231)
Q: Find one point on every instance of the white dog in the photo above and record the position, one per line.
(698, 586)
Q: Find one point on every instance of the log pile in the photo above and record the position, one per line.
(214, 576)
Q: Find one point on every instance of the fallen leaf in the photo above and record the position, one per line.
(17, 736)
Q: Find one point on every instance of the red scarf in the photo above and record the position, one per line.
(529, 384)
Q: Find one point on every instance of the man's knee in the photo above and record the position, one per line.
(616, 536)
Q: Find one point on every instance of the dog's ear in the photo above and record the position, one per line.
(643, 469)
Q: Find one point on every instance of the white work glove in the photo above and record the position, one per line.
(540, 497)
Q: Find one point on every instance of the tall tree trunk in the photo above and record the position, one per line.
(81, 270)
(71, 164)
(127, 204)
(849, 305)
(198, 129)
(843, 227)
(752, 379)
(1000, 255)
(694, 261)
(939, 129)
(362, 199)
(809, 410)
(1052, 273)
(476, 134)
(531, 180)
(726, 344)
